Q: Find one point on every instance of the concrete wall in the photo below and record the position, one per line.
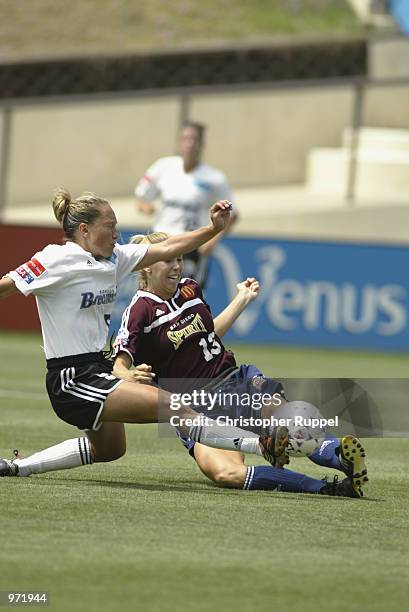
(257, 138)
(389, 57)
(264, 138)
(101, 147)
(387, 107)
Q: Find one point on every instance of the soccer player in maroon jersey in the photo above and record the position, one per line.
(168, 332)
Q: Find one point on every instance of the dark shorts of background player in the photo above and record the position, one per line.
(245, 379)
(78, 386)
(196, 266)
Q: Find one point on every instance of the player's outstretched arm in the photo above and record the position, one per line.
(247, 291)
(7, 287)
(141, 374)
(189, 241)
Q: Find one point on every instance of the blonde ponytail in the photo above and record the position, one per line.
(70, 213)
(61, 204)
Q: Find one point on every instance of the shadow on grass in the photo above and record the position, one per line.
(190, 486)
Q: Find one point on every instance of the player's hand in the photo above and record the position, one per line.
(220, 214)
(249, 289)
(141, 374)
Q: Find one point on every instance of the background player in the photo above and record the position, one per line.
(187, 188)
(169, 326)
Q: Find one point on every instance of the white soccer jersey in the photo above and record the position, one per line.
(185, 196)
(75, 294)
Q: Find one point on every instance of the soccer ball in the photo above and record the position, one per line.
(304, 437)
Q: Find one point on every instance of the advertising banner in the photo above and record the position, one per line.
(312, 293)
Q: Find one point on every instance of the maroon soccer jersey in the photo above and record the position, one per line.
(176, 336)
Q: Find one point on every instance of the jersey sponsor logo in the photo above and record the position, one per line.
(36, 267)
(105, 296)
(187, 292)
(24, 274)
(178, 336)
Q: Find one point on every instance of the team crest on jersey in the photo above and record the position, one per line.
(187, 291)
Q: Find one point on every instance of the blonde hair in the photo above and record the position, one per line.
(153, 238)
(70, 213)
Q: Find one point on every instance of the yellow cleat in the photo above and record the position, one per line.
(352, 459)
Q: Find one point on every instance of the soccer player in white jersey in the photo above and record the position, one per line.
(75, 287)
(186, 187)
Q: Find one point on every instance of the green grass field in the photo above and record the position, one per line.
(149, 532)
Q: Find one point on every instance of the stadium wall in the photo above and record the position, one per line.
(107, 145)
(19, 243)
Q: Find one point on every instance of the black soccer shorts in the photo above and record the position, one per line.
(78, 387)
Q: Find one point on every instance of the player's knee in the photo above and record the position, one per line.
(110, 454)
(230, 477)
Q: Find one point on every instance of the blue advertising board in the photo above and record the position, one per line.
(312, 293)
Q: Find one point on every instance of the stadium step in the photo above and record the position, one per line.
(382, 164)
(370, 138)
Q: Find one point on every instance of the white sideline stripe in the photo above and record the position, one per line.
(23, 394)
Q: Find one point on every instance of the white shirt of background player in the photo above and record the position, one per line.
(185, 185)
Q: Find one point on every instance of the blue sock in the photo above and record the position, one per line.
(325, 455)
(269, 478)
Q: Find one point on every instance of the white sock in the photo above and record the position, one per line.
(63, 456)
(228, 438)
